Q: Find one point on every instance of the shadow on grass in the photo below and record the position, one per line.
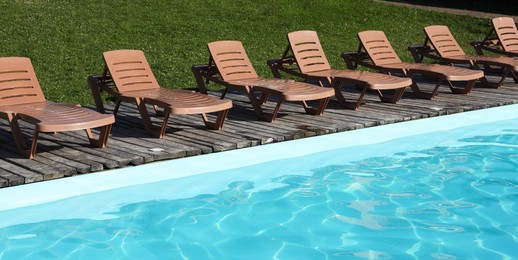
(506, 7)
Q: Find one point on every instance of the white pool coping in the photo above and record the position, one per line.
(42, 192)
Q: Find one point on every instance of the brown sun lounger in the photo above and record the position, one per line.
(230, 67)
(312, 65)
(129, 78)
(444, 48)
(21, 98)
(376, 52)
(501, 39)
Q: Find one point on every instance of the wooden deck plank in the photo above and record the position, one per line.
(69, 153)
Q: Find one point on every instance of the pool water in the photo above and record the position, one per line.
(439, 195)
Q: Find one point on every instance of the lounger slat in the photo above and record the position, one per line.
(234, 64)
(236, 72)
(18, 83)
(135, 82)
(17, 93)
(443, 41)
(507, 33)
(310, 54)
(378, 47)
(21, 99)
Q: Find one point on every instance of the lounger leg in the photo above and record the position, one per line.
(34, 144)
(356, 105)
(163, 128)
(102, 140)
(276, 110)
(436, 89)
(488, 84)
(158, 112)
(264, 98)
(17, 136)
(94, 82)
(419, 94)
(484, 81)
(256, 104)
(398, 94)
(466, 90)
(319, 110)
(116, 108)
(220, 120)
(141, 105)
(337, 86)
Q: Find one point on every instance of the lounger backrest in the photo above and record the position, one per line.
(130, 70)
(505, 29)
(442, 41)
(378, 47)
(231, 60)
(18, 82)
(308, 52)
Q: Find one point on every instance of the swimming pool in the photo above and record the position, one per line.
(440, 188)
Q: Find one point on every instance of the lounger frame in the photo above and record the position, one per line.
(295, 63)
(163, 101)
(235, 72)
(502, 39)
(506, 66)
(375, 52)
(21, 99)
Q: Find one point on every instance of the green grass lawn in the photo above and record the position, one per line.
(65, 39)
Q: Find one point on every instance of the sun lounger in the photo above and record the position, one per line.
(129, 78)
(21, 98)
(501, 39)
(312, 65)
(444, 48)
(376, 52)
(230, 67)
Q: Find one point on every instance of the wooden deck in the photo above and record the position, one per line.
(67, 154)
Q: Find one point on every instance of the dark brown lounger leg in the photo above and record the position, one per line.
(256, 104)
(488, 84)
(102, 140)
(419, 94)
(341, 99)
(141, 105)
(394, 99)
(96, 93)
(319, 110)
(220, 120)
(466, 90)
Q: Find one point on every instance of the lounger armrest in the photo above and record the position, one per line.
(479, 46)
(353, 59)
(490, 45)
(275, 65)
(98, 84)
(287, 65)
(199, 72)
(205, 74)
(419, 52)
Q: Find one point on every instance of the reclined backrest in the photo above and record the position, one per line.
(378, 47)
(505, 29)
(18, 82)
(308, 51)
(231, 60)
(443, 41)
(130, 70)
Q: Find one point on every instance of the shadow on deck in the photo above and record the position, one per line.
(68, 154)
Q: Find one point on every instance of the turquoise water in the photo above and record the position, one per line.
(441, 195)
